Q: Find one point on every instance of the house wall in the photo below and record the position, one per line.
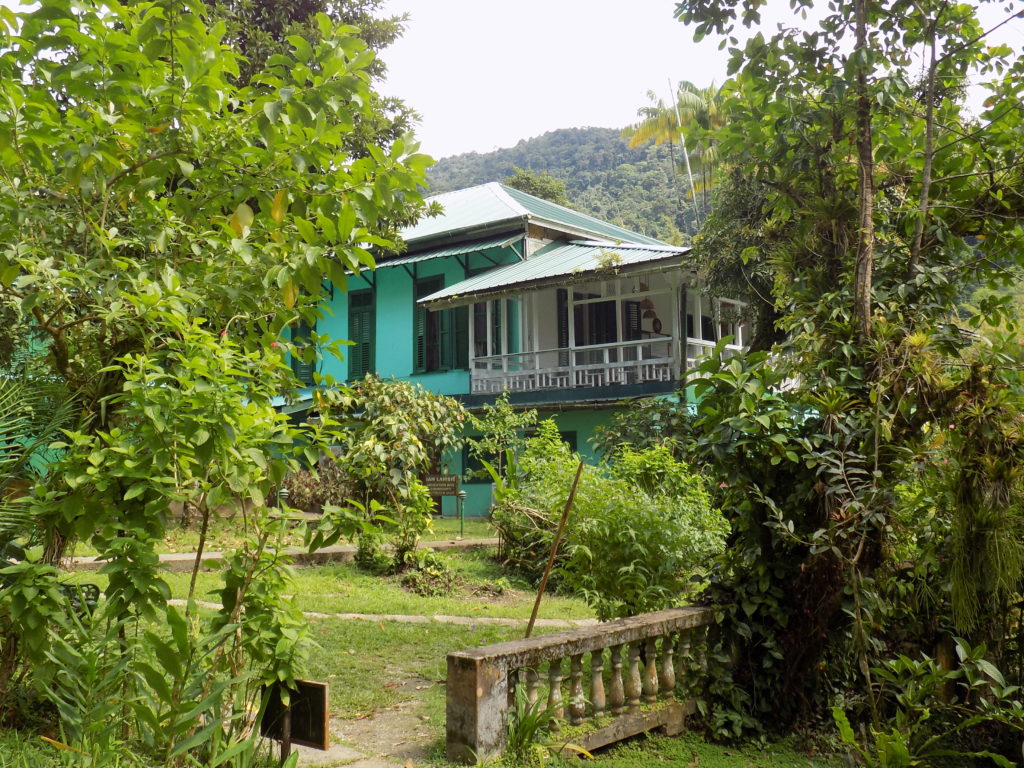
(393, 318)
(546, 303)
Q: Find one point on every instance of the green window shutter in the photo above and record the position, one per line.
(302, 369)
(445, 343)
(361, 330)
(419, 346)
(632, 319)
(460, 337)
(428, 329)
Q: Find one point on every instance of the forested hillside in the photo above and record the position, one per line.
(630, 187)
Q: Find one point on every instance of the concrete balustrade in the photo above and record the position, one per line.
(648, 660)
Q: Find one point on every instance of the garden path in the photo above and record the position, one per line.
(183, 561)
(466, 621)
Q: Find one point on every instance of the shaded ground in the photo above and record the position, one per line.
(399, 733)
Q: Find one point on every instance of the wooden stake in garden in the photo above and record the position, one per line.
(554, 549)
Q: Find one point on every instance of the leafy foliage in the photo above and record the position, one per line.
(867, 217)
(386, 434)
(646, 423)
(502, 430)
(163, 220)
(639, 531)
(929, 725)
(542, 185)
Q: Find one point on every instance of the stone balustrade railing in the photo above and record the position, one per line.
(623, 678)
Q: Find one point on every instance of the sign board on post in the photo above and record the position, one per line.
(442, 485)
(306, 719)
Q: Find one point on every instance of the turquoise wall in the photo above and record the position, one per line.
(393, 316)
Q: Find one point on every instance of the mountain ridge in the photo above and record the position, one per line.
(632, 187)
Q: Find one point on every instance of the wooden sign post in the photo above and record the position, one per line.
(447, 485)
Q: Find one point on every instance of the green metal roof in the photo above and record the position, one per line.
(452, 250)
(557, 264)
(493, 206)
(559, 214)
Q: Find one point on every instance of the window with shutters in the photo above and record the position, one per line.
(441, 339)
(361, 330)
(304, 366)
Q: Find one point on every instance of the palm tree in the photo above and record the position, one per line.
(693, 120)
(31, 414)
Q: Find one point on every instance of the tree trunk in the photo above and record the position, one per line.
(865, 175)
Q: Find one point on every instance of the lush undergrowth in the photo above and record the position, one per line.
(691, 750)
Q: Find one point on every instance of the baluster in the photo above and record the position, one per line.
(618, 698)
(597, 681)
(532, 685)
(555, 690)
(650, 671)
(576, 699)
(685, 657)
(513, 683)
(633, 680)
(668, 665)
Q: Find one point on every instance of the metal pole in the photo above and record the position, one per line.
(554, 549)
(460, 502)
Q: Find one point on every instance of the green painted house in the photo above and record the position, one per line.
(507, 292)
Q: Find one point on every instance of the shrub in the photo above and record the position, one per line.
(389, 433)
(640, 530)
(312, 490)
(429, 574)
(371, 555)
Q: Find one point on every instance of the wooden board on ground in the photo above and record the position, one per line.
(309, 721)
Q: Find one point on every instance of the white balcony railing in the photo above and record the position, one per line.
(598, 365)
(697, 350)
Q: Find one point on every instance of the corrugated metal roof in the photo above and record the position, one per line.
(559, 214)
(495, 205)
(464, 209)
(553, 264)
(452, 250)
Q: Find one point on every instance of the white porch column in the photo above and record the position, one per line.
(677, 329)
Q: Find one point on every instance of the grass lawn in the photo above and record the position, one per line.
(691, 750)
(447, 528)
(343, 588)
(372, 666)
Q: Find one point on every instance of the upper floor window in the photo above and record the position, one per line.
(302, 338)
(441, 338)
(362, 332)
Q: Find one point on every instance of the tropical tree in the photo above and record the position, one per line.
(163, 223)
(260, 29)
(692, 120)
(873, 203)
(542, 185)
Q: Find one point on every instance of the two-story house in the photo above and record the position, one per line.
(508, 292)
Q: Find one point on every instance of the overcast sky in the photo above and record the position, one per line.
(484, 74)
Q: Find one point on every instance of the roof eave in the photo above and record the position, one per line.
(666, 265)
(453, 236)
